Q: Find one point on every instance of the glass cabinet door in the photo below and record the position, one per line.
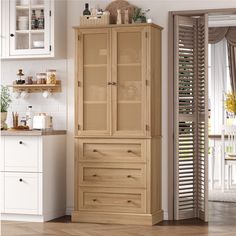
(129, 80)
(94, 76)
(29, 27)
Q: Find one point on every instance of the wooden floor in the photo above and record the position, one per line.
(222, 222)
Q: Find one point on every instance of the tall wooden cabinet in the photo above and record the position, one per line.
(118, 124)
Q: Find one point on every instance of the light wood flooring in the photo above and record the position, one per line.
(222, 221)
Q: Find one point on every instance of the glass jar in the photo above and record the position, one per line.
(41, 78)
(51, 76)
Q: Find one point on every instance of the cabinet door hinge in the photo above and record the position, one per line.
(147, 127)
(146, 34)
(50, 13)
(78, 127)
(50, 48)
(146, 82)
(78, 37)
(79, 83)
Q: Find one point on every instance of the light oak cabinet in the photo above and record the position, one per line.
(118, 124)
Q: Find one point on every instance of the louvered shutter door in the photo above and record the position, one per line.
(190, 85)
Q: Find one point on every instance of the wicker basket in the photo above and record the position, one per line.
(95, 20)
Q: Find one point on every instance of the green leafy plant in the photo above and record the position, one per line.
(139, 15)
(5, 98)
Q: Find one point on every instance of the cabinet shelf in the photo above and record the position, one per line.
(29, 31)
(95, 102)
(129, 64)
(95, 65)
(34, 88)
(26, 7)
(129, 102)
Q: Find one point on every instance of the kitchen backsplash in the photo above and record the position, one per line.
(54, 105)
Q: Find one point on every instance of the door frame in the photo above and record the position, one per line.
(172, 14)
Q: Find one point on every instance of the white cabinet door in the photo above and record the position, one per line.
(22, 193)
(22, 153)
(25, 36)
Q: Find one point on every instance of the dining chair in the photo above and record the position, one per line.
(228, 142)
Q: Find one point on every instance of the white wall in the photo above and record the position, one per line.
(159, 14)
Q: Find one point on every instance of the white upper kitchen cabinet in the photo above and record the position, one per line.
(33, 29)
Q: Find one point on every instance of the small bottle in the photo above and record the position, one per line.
(29, 117)
(34, 21)
(126, 20)
(86, 11)
(119, 19)
(41, 20)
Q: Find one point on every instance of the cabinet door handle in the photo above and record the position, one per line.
(94, 200)
(113, 83)
(95, 150)
(129, 176)
(109, 83)
(94, 175)
(12, 35)
(21, 180)
(20, 142)
(129, 201)
(129, 151)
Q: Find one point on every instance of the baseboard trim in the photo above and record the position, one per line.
(117, 218)
(22, 217)
(69, 211)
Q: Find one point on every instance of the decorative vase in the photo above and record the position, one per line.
(119, 19)
(3, 120)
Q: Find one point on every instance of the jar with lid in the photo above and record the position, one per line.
(41, 78)
(51, 76)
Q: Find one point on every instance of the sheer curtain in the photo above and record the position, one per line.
(217, 84)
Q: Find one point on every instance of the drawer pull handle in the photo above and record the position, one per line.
(129, 151)
(94, 200)
(94, 175)
(129, 201)
(95, 150)
(20, 142)
(129, 176)
(21, 180)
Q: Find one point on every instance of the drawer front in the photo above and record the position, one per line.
(112, 175)
(112, 150)
(22, 193)
(112, 200)
(21, 153)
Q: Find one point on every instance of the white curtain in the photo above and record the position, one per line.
(218, 84)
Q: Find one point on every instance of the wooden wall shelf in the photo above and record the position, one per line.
(37, 88)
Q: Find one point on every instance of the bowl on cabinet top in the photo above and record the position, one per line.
(38, 44)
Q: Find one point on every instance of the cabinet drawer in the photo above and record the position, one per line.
(112, 175)
(22, 193)
(21, 153)
(112, 150)
(112, 200)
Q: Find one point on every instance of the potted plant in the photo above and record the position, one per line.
(5, 103)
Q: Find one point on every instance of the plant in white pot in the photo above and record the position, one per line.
(5, 103)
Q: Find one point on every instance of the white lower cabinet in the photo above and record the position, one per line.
(32, 177)
(23, 193)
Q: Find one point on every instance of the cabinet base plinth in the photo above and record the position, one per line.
(117, 218)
